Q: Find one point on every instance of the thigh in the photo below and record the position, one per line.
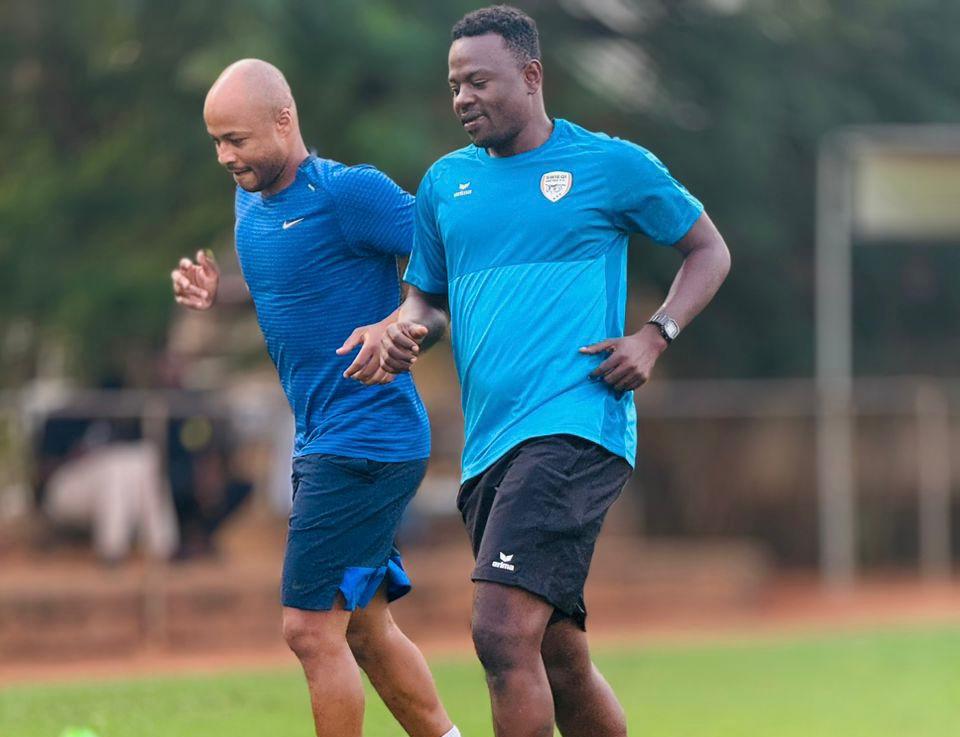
(512, 613)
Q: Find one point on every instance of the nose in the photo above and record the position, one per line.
(462, 100)
(225, 155)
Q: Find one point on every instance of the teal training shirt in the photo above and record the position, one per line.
(531, 251)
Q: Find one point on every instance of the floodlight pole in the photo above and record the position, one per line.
(834, 365)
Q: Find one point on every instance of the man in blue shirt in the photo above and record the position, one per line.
(521, 240)
(318, 244)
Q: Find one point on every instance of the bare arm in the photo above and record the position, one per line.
(706, 263)
(430, 310)
(366, 364)
(393, 345)
(422, 321)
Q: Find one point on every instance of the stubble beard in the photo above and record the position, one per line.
(499, 140)
(267, 175)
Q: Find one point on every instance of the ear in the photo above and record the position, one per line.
(285, 121)
(533, 76)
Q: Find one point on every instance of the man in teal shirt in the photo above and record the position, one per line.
(521, 240)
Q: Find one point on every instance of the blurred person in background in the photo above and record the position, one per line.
(318, 244)
(207, 490)
(520, 245)
(97, 476)
(118, 489)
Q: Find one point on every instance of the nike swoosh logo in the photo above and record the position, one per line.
(291, 223)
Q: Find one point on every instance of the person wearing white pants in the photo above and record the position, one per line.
(120, 492)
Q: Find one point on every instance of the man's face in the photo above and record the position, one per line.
(249, 142)
(491, 95)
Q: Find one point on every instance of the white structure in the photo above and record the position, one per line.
(876, 184)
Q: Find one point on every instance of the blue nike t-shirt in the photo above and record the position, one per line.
(320, 259)
(531, 251)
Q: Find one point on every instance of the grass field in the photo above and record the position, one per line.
(895, 683)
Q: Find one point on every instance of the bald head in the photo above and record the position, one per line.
(251, 116)
(253, 84)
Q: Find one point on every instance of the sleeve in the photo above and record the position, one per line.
(647, 199)
(427, 270)
(375, 213)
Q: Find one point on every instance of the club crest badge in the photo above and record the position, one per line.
(554, 185)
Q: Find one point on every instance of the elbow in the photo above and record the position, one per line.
(724, 259)
(719, 255)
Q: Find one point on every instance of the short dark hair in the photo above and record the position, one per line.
(515, 27)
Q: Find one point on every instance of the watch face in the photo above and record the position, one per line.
(671, 328)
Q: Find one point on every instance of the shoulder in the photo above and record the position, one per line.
(611, 148)
(362, 183)
(452, 164)
(334, 176)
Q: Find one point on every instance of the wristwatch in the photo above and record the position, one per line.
(666, 325)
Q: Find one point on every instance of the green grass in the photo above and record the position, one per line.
(902, 683)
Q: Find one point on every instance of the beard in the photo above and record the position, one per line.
(493, 140)
(263, 175)
(497, 138)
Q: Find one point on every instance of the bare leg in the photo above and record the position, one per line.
(336, 691)
(397, 670)
(508, 627)
(586, 705)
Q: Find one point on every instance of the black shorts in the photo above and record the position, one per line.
(534, 516)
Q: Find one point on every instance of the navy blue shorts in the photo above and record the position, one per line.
(342, 528)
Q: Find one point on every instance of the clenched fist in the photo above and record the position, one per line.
(400, 346)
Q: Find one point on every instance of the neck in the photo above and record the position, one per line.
(533, 135)
(289, 172)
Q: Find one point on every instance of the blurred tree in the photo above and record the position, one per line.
(108, 175)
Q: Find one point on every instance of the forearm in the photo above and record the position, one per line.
(696, 283)
(706, 263)
(429, 310)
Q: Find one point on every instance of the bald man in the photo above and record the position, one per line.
(318, 244)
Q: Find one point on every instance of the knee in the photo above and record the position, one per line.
(503, 646)
(306, 639)
(297, 633)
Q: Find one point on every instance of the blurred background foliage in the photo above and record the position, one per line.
(108, 176)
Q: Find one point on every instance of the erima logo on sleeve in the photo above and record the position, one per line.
(554, 185)
(463, 189)
(504, 562)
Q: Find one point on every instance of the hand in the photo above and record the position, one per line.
(631, 358)
(366, 365)
(400, 346)
(195, 284)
